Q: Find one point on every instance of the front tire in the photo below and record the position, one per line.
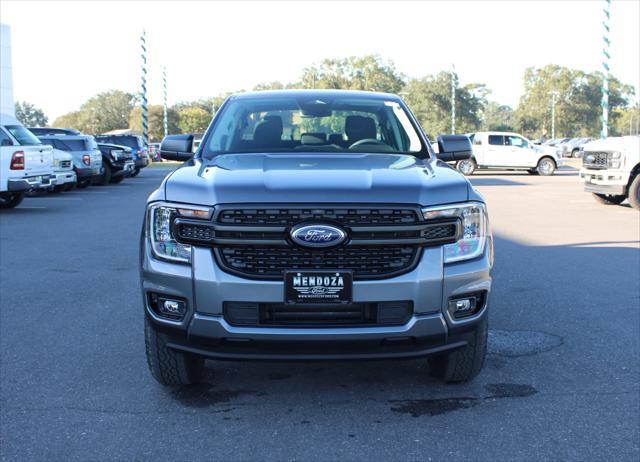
(575, 153)
(168, 366)
(609, 199)
(83, 184)
(135, 171)
(463, 364)
(105, 178)
(546, 166)
(634, 193)
(10, 201)
(466, 166)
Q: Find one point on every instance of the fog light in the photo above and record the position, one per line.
(464, 306)
(167, 307)
(172, 307)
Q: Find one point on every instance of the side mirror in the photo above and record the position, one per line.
(177, 147)
(454, 147)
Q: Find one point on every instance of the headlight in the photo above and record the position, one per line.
(160, 215)
(56, 163)
(474, 229)
(616, 155)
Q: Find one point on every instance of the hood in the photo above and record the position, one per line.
(315, 178)
(546, 149)
(615, 143)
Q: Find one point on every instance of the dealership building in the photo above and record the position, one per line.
(6, 77)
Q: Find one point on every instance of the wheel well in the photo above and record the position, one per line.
(635, 171)
(551, 158)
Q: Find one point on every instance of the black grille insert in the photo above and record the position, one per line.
(270, 262)
(345, 216)
(353, 314)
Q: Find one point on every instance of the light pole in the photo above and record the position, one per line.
(165, 117)
(453, 99)
(605, 64)
(143, 92)
(554, 97)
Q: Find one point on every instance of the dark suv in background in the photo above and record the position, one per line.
(134, 142)
(117, 163)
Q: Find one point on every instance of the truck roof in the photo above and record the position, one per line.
(316, 94)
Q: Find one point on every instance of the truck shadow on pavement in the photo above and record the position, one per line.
(532, 285)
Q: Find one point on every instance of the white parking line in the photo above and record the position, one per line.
(58, 198)
(86, 192)
(29, 207)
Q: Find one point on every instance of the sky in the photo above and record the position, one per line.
(66, 52)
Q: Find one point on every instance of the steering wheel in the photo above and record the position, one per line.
(367, 141)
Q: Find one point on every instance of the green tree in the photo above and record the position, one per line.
(430, 100)
(156, 121)
(499, 118)
(194, 120)
(577, 111)
(354, 73)
(274, 85)
(106, 111)
(206, 104)
(69, 120)
(30, 115)
(627, 121)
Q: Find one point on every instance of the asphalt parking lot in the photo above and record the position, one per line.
(562, 380)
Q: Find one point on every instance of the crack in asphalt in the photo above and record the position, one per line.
(432, 407)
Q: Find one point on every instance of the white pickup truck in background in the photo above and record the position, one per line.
(611, 170)
(509, 151)
(25, 163)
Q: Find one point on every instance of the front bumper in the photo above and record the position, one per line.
(613, 182)
(65, 177)
(31, 183)
(205, 287)
(141, 162)
(87, 173)
(123, 168)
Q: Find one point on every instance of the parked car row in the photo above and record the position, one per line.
(570, 147)
(60, 159)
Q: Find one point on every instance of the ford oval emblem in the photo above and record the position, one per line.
(317, 235)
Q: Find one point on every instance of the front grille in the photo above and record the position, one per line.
(322, 315)
(65, 164)
(595, 160)
(254, 241)
(271, 262)
(346, 216)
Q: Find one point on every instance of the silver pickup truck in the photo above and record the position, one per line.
(315, 225)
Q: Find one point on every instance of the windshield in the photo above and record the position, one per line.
(23, 136)
(129, 141)
(316, 124)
